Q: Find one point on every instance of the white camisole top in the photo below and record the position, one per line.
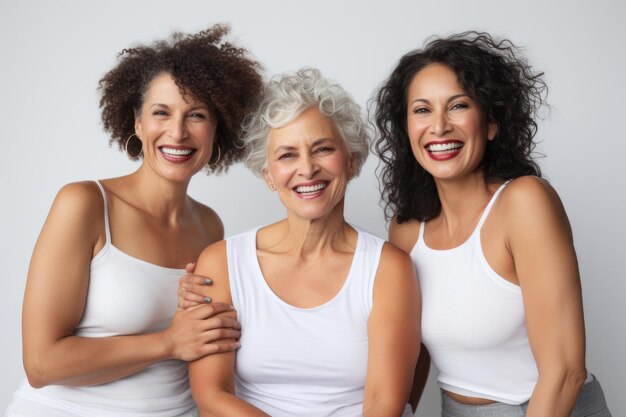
(126, 296)
(473, 322)
(302, 361)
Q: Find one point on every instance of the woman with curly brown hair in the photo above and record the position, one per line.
(502, 311)
(101, 333)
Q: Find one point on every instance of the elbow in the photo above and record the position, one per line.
(35, 375)
(36, 371)
(569, 378)
(576, 377)
(389, 406)
(209, 403)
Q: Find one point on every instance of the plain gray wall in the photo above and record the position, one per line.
(54, 53)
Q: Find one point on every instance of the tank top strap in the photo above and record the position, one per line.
(490, 204)
(106, 213)
(420, 235)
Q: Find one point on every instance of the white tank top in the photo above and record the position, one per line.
(126, 296)
(473, 322)
(302, 361)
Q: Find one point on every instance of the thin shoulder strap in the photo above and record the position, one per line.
(420, 235)
(491, 202)
(106, 212)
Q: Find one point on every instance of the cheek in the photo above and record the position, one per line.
(280, 174)
(206, 133)
(339, 165)
(415, 131)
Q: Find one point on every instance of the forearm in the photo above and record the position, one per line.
(419, 379)
(387, 407)
(555, 393)
(226, 404)
(83, 361)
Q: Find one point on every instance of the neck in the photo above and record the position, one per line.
(308, 238)
(463, 199)
(159, 197)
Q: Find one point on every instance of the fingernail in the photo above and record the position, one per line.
(207, 281)
(206, 300)
(237, 345)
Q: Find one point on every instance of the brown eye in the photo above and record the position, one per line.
(459, 106)
(286, 156)
(324, 149)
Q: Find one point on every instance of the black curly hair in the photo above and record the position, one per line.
(214, 72)
(500, 81)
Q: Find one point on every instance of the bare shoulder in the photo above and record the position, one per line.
(213, 263)
(213, 256)
(78, 204)
(531, 203)
(530, 192)
(404, 235)
(210, 219)
(80, 195)
(395, 265)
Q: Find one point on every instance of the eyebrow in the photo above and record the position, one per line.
(452, 98)
(196, 107)
(291, 148)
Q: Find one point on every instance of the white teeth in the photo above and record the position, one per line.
(176, 152)
(442, 147)
(311, 188)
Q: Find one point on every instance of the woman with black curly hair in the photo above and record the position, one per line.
(502, 308)
(101, 333)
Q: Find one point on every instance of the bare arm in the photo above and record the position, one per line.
(393, 335)
(541, 244)
(421, 376)
(213, 377)
(55, 297)
(404, 237)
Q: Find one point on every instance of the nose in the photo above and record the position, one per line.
(177, 128)
(441, 125)
(307, 166)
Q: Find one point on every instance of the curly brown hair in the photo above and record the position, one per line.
(205, 67)
(498, 78)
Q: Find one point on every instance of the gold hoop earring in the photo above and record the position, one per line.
(273, 187)
(133, 157)
(219, 154)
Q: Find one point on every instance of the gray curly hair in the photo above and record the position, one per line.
(288, 95)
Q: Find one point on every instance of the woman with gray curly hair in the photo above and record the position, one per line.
(329, 313)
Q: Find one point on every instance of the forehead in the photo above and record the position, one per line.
(310, 126)
(435, 78)
(163, 88)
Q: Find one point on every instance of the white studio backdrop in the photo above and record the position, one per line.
(54, 53)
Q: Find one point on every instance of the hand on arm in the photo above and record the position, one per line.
(541, 244)
(55, 296)
(213, 377)
(393, 334)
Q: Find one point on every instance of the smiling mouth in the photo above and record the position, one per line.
(310, 189)
(177, 153)
(444, 148)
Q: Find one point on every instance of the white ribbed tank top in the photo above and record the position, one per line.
(126, 296)
(302, 361)
(473, 322)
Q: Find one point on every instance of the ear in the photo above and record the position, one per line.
(268, 180)
(352, 166)
(138, 129)
(492, 131)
